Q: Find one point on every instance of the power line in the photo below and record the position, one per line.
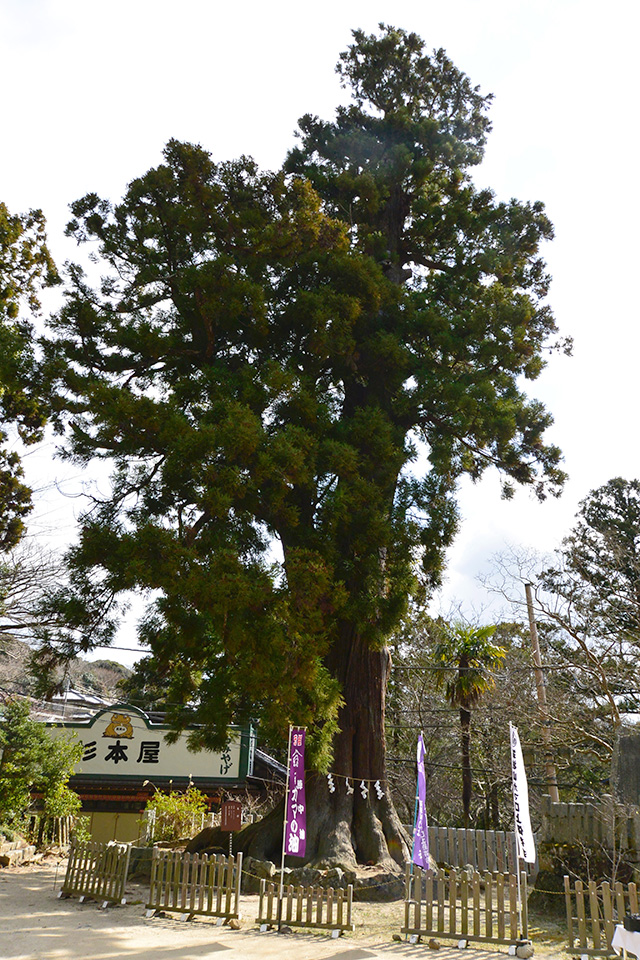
(498, 674)
(126, 649)
(480, 772)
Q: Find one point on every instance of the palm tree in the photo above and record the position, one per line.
(464, 657)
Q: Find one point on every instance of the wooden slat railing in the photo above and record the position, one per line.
(318, 908)
(195, 884)
(43, 829)
(97, 871)
(593, 910)
(459, 905)
(486, 850)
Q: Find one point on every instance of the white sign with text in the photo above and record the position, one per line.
(120, 741)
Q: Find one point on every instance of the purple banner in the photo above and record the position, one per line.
(420, 854)
(295, 836)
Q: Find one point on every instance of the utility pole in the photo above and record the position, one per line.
(552, 778)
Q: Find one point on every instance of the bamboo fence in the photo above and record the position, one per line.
(486, 850)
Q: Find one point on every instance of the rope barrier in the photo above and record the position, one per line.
(393, 880)
(369, 886)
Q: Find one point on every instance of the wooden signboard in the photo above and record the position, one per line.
(231, 816)
(121, 742)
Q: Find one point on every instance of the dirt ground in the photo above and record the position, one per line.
(36, 925)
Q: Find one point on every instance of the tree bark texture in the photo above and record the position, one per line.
(343, 828)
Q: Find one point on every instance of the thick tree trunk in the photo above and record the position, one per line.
(345, 829)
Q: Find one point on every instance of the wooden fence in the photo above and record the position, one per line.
(195, 884)
(314, 907)
(492, 850)
(459, 905)
(43, 829)
(592, 913)
(608, 823)
(97, 871)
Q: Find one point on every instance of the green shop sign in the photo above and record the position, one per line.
(120, 741)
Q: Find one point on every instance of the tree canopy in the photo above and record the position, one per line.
(592, 599)
(465, 657)
(25, 267)
(290, 372)
(31, 760)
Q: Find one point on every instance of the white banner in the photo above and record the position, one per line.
(524, 834)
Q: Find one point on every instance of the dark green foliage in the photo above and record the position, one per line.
(307, 360)
(393, 167)
(464, 659)
(147, 686)
(31, 760)
(25, 266)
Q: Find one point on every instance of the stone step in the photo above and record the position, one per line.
(20, 854)
(8, 845)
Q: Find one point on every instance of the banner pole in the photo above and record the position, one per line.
(413, 839)
(284, 833)
(519, 899)
(415, 819)
(515, 821)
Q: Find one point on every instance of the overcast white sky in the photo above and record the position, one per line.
(93, 90)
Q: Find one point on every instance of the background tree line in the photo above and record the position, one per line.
(587, 611)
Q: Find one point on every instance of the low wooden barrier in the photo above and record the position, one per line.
(593, 910)
(486, 850)
(97, 871)
(460, 905)
(195, 884)
(43, 829)
(314, 907)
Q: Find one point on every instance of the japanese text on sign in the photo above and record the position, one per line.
(121, 742)
(296, 822)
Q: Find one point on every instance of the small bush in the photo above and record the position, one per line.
(62, 801)
(177, 815)
(80, 831)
